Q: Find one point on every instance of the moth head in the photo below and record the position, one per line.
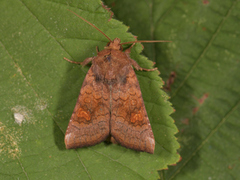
(115, 44)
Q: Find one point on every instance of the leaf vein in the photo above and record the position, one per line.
(204, 50)
(114, 160)
(207, 138)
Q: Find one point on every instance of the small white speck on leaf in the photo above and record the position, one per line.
(19, 118)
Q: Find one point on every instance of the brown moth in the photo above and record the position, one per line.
(110, 102)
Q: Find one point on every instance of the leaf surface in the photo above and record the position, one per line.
(39, 91)
(204, 54)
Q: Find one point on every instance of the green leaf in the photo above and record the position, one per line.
(204, 54)
(39, 90)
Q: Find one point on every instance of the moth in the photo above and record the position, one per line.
(110, 102)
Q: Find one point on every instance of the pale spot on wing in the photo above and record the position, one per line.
(151, 141)
(68, 137)
(150, 145)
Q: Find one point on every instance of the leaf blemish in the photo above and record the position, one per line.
(9, 142)
(22, 114)
(19, 118)
(41, 104)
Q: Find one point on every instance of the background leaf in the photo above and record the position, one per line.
(39, 90)
(206, 92)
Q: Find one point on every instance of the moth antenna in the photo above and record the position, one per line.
(91, 24)
(145, 41)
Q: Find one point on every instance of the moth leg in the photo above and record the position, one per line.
(86, 61)
(97, 49)
(74, 62)
(128, 51)
(134, 63)
(137, 67)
